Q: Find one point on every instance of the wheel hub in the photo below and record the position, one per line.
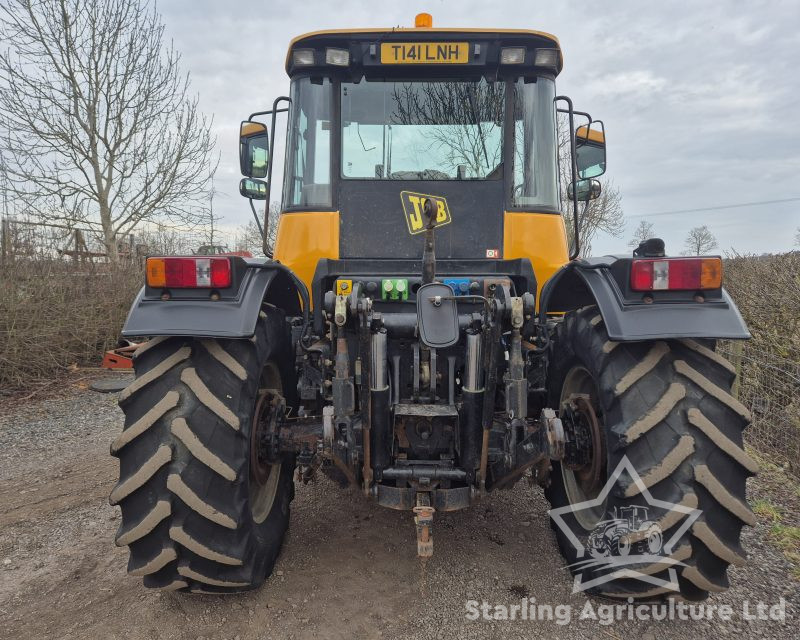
(264, 434)
(583, 468)
(585, 448)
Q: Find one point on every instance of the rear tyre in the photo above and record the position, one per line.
(667, 406)
(199, 513)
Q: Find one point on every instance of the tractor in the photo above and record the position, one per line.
(424, 328)
(631, 530)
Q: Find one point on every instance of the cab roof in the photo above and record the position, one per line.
(358, 41)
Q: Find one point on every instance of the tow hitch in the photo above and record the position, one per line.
(423, 519)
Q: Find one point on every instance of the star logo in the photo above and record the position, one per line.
(618, 532)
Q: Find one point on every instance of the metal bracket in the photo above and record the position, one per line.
(555, 434)
(423, 519)
(340, 311)
(517, 313)
(328, 433)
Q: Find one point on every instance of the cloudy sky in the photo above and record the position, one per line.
(700, 99)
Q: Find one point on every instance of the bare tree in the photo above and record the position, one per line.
(604, 214)
(644, 231)
(471, 113)
(699, 242)
(248, 236)
(797, 237)
(210, 219)
(96, 122)
(161, 240)
(272, 226)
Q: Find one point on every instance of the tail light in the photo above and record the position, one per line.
(676, 274)
(188, 273)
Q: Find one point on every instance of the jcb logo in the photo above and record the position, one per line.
(413, 205)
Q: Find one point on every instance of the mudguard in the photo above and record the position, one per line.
(628, 318)
(193, 313)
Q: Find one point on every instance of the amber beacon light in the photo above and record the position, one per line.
(423, 21)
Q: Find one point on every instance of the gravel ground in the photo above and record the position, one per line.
(348, 568)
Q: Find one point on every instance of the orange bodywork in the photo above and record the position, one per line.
(306, 237)
(540, 237)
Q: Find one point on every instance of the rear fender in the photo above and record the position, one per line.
(233, 316)
(629, 318)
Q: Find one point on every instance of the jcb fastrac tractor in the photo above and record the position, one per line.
(425, 330)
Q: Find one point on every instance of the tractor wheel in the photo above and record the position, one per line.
(667, 407)
(653, 538)
(200, 510)
(620, 545)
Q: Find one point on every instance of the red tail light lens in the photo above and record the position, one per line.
(189, 273)
(642, 275)
(220, 273)
(180, 272)
(676, 274)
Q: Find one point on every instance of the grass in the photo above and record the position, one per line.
(775, 504)
(766, 510)
(787, 539)
(765, 465)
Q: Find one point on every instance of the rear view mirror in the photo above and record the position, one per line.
(253, 189)
(253, 149)
(590, 147)
(584, 190)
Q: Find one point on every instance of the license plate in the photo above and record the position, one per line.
(424, 52)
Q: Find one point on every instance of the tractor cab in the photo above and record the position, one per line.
(379, 121)
(634, 515)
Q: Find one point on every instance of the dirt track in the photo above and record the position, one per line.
(348, 568)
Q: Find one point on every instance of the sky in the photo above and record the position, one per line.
(699, 99)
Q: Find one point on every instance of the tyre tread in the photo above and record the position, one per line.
(668, 407)
(185, 451)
